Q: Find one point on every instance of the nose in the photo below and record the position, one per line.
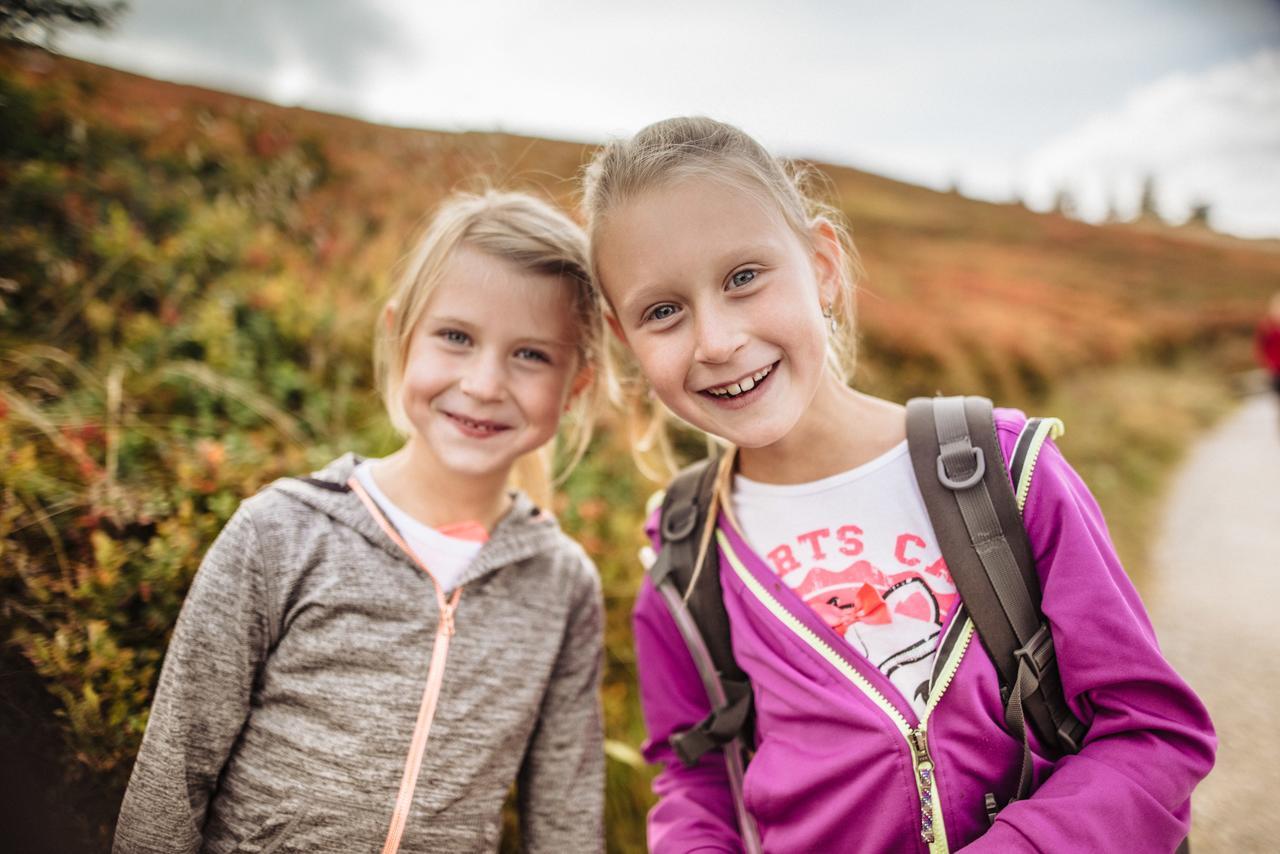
(484, 379)
(718, 337)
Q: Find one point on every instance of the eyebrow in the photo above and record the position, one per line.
(646, 293)
(468, 326)
(547, 342)
(640, 298)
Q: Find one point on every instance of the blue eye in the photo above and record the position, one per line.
(662, 312)
(742, 278)
(454, 336)
(529, 354)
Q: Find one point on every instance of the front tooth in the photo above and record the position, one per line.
(748, 384)
(734, 388)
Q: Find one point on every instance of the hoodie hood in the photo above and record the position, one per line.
(525, 531)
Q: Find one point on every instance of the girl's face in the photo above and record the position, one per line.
(491, 366)
(721, 303)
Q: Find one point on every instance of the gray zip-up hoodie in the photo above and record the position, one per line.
(293, 680)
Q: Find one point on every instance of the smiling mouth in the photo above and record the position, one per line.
(475, 426)
(742, 386)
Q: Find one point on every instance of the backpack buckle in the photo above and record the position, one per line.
(1037, 654)
(979, 465)
(1070, 735)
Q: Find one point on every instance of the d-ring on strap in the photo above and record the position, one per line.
(435, 676)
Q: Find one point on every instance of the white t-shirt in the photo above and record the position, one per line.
(858, 547)
(445, 556)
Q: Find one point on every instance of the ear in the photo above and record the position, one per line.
(828, 256)
(580, 384)
(389, 316)
(586, 374)
(615, 326)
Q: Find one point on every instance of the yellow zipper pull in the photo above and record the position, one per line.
(924, 772)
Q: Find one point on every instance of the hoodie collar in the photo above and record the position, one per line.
(523, 532)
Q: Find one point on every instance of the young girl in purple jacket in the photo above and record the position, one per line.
(733, 290)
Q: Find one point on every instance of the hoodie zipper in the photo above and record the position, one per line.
(932, 828)
(445, 629)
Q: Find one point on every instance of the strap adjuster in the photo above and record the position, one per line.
(1069, 735)
(980, 468)
(1037, 654)
(678, 521)
(717, 729)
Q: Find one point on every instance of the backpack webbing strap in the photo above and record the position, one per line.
(961, 472)
(685, 511)
(1068, 730)
(695, 601)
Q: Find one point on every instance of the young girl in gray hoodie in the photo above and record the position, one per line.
(370, 656)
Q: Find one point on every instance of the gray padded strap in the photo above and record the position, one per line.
(961, 463)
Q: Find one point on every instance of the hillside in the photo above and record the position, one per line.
(188, 282)
(1082, 294)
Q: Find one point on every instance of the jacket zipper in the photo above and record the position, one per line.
(1049, 428)
(932, 827)
(448, 607)
(924, 781)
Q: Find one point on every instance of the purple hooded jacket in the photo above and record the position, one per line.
(834, 769)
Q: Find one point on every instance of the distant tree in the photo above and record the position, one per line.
(1200, 212)
(37, 20)
(1147, 207)
(1065, 203)
(1113, 208)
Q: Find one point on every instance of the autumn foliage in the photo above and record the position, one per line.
(188, 283)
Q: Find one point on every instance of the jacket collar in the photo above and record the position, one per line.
(523, 532)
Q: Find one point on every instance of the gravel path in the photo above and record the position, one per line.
(1213, 598)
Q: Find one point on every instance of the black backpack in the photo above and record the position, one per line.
(977, 518)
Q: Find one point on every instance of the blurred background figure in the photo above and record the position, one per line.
(1268, 343)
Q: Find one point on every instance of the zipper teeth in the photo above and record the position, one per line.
(925, 787)
(949, 671)
(938, 840)
(1033, 457)
(933, 827)
(1048, 428)
(812, 639)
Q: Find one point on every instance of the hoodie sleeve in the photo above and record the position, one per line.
(561, 783)
(202, 699)
(695, 810)
(1150, 739)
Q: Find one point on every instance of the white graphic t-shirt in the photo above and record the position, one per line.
(858, 547)
(444, 555)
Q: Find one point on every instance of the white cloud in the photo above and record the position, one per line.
(1212, 137)
(992, 97)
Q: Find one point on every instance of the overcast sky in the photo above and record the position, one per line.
(997, 98)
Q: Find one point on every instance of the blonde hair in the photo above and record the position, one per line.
(535, 237)
(698, 147)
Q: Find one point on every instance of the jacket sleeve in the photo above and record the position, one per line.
(1149, 740)
(202, 699)
(561, 782)
(695, 806)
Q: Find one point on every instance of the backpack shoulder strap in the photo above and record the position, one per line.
(976, 515)
(693, 595)
(695, 599)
